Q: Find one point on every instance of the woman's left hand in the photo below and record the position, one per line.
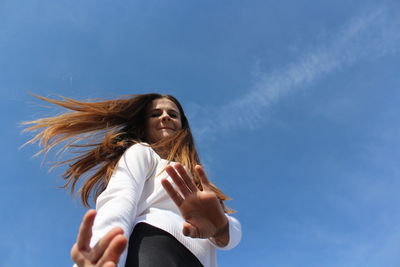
(201, 209)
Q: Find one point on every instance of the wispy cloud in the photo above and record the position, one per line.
(367, 37)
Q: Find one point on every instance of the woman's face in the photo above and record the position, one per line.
(163, 119)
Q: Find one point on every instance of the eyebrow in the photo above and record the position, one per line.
(159, 109)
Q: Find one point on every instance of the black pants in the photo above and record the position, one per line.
(152, 247)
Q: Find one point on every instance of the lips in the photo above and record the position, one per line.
(166, 128)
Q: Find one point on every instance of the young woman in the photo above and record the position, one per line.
(147, 182)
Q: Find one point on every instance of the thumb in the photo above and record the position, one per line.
(190, 230)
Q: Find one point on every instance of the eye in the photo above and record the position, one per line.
(173, 115)
(155, 114)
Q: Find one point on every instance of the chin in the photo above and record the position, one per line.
(166, 135)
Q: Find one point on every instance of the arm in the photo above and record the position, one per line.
(117, 204)
(201, 209)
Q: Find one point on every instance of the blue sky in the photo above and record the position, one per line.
(294, 105)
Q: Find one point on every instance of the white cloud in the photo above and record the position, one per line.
(366, 37)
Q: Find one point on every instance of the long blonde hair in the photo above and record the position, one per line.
(108, 128)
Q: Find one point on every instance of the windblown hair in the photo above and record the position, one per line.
(100, 132)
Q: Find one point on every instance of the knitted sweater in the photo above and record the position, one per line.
(134, 194)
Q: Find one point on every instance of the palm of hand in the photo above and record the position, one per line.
(203, 214)
(201, 209)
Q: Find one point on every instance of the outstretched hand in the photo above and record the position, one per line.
(105, 253)
(201, 209)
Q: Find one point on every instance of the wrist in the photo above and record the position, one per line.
(221, 236)
(222, 231)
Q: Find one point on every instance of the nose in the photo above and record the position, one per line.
(165, 116)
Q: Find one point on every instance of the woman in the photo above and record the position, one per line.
(170, 212)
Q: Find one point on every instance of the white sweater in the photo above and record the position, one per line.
(135, 194)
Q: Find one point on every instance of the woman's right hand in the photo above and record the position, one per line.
(105, 253)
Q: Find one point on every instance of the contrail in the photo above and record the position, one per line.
(366, 37)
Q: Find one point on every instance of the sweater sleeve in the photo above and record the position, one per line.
(117, 204)
(235, 234)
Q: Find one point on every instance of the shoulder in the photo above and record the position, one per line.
(140, 153)
(140, 148)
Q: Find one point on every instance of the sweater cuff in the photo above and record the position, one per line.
(235, 234)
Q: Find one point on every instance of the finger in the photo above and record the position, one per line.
(186, 177)
(85, 231)
(178, 180)
(190, 230)
(113, 251)
(205, 183)
(76, 255)
(173, 194)
(104, 243)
